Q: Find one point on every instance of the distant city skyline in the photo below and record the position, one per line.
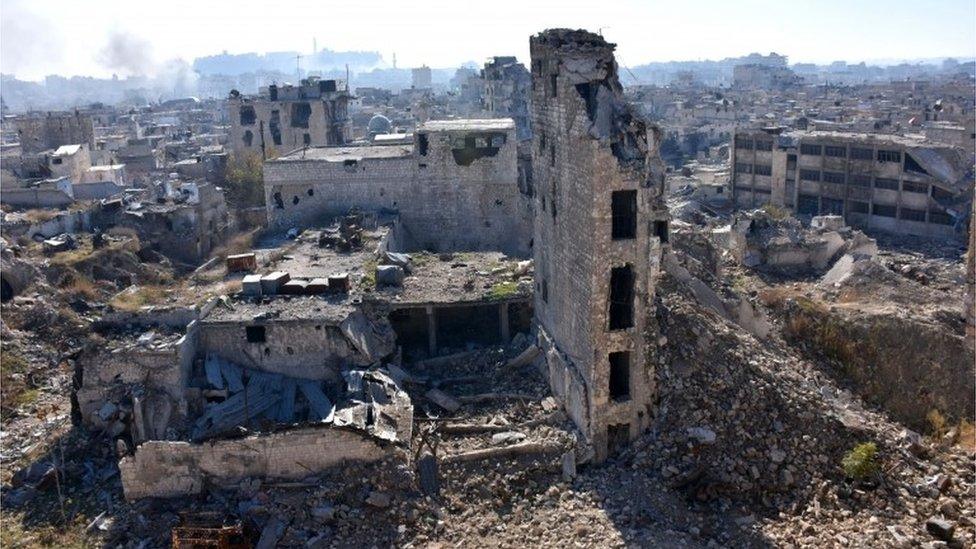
(104, 37)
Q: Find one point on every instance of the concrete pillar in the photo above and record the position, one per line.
(503, 330)
(431, 331)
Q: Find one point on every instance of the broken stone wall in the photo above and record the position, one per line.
(40, 132)
(587, 144)
(115, 382)
(442, 206)
(169, 469)
(308, 349)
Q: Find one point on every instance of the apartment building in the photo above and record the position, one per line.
(898, 184)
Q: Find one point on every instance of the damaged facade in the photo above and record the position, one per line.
(284, 118)
(883, 182)
(455, 188)
(179, 399)
(599, 228)
(42, 131)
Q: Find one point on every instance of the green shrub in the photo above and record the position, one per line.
(861, 462)
(503, 290)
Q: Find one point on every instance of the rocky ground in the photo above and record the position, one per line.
(746, 451)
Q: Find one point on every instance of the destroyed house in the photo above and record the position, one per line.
(285, 117)
(297, 367)
(455, 188)
(599, 230)
(890, 183)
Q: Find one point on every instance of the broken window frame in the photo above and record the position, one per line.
(619, 376)
(623, 215)
(621, 297)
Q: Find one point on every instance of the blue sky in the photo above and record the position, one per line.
(41, 37)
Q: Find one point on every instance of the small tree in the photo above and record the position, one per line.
(244, 179)
(861, 462)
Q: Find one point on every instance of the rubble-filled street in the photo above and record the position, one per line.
(280, 297)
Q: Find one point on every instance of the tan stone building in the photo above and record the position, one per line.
(284, 118)
(599, 227)
(885, 182)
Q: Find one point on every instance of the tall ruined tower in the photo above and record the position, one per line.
(599, 229)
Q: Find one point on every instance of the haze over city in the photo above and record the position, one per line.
(105, 37)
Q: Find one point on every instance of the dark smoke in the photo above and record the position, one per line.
(127, 55)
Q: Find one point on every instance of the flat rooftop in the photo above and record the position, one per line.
(468, 124)
(341, 154)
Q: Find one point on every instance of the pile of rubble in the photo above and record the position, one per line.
(764, 241)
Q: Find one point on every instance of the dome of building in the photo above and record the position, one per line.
(379, 124)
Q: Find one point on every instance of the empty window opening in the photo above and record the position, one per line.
(661, 230)
(588, 91)
(248, 116)
(913, 187)
(839, 152)
(254, 334)
(411, 329)
(460, 328)
(858, 153)
(621, 297)
(310, 192)
(618, 437)
(422, 144)
(294, 200)
(306, 139)
(885, 183)
(279, 203)
(912, 215)
(832, 206)
(624, 214)
(889, 156)
(884, 210)
(620, 376)
(807, 204)
(274, 125)
(545, 291)
(474, 146)
(300, 113)
(553, 85)
(912, 166)
(248, 138)
(855, 206)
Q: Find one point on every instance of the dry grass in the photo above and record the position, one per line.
(39, 215)
(79, 285)
(135, 297)
(241, 243)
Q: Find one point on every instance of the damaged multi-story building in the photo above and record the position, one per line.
(49, 130)
(890, 183)
(286, 117)
(599, 228)
(456, 187)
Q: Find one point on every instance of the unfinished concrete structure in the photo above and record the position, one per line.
(284, 118)
(884, 182)
(455, 189)
(42, 131)
(599, 228)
